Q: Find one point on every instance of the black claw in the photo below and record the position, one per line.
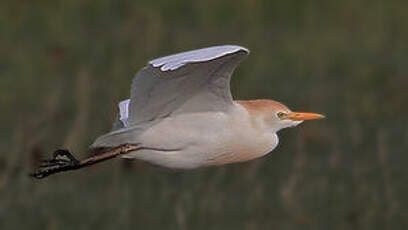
(60, 153)
(62, 160)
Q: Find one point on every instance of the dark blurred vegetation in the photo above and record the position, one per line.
(65, 64)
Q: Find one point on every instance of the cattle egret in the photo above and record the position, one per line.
(181, 115)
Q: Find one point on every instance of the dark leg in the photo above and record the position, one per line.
(63, 160)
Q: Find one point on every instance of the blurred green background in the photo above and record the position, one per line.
(64, 65)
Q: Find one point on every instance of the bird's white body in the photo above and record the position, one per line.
(206, 138)
(181, 113)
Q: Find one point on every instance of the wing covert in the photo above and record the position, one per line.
(187, 82)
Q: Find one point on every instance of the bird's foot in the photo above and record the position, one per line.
(62, 160)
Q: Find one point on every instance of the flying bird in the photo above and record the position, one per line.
(181, 115)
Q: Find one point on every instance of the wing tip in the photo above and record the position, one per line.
(175, 61)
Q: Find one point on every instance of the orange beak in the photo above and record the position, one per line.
(295, 116)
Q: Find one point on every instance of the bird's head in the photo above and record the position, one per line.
(275, 116)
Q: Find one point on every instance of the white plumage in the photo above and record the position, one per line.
(181, 113)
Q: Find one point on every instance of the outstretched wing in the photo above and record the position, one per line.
(187, 82)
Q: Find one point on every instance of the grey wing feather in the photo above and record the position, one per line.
(191, 81)
(176, 61)
(187, 82)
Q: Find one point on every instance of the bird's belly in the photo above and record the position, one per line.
(230, 158)
(169, 159)
(203, 155)
(242, 150)
(219, 149)
(185, 141)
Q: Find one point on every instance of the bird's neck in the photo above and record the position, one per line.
(248, 140)
(255, 112)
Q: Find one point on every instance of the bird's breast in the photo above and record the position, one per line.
(243, 150)
(244, 141)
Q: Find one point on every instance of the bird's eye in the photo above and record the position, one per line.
(281, 115)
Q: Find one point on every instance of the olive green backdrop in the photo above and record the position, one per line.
(65, 64)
